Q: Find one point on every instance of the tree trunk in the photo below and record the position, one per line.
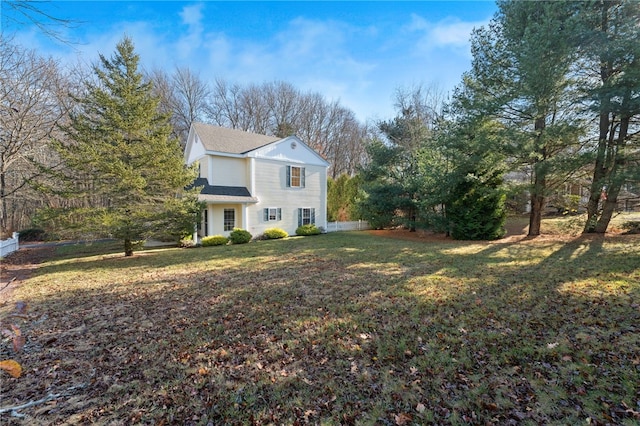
(539, 185)
(535, 218)
(616, 179)
(128, 247)
(599, 172)
(3, 213)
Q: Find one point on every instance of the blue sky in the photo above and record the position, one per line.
(356, 52)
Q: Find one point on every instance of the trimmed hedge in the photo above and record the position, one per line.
(274, 233)
(214, 240)
(239, 236)
(309, 229)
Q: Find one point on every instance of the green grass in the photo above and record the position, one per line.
(343, 328)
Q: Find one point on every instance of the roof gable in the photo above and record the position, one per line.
(290, 149)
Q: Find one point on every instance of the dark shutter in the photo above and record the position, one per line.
(302, 169)
(299, 217)
(266, 215)
(313, 216)
(279, 213)
(288, 184)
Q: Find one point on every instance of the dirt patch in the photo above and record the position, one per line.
(515, 230)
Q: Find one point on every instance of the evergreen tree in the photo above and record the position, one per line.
(122, 160)
(474, 202)
(386, 199)
(393, 183)
(611, 55)
(520, 76)
(341, 198)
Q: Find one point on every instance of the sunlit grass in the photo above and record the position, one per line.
(339, 329)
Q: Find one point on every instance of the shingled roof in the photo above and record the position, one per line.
(232, 141)
(217, 193)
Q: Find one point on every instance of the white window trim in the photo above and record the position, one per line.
(224, 219)
(277, 214)
(289, 177)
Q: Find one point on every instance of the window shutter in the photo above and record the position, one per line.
(279, 213)
(302, 169)
(299, 217)
(266, 215)
(288, 183)
(313, 216)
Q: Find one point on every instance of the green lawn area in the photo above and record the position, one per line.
(344, 328)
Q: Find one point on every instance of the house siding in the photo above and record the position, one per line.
(216, 218)
(228, 171)
(270, 185)
(204, 167)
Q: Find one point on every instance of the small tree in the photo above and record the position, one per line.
(477, 209)
(122, 161)
(341, 198)
(386, 196)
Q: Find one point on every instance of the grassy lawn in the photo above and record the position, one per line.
(344, 328)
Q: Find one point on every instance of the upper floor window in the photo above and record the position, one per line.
(295, 177)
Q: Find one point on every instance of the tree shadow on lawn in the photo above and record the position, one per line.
(551, 340)
(354, 330)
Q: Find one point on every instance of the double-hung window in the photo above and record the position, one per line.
(295, 177)
(205, 222)
(229, 219)
(306, 216)
(272, 214)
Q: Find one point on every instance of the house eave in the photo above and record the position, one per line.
(226, 154)
(226, 199)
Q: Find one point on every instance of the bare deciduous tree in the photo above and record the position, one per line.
(184, 95)
(31, 106)
(278, 108)
(18, 13)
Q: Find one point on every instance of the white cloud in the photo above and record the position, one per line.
(191, 41)
(305, 37)
(192, 15)
(360, 65)
(450, 33)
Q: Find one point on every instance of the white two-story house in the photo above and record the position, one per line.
(255, 182)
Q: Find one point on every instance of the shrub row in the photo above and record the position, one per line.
(241, 236)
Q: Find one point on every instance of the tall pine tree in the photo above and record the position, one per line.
(122, 161)
(611, 52)
(521, 78)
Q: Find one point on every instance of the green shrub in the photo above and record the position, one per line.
(274, 233)
(309, 229)
(239, 236)
(630, 227)
(476, 210)
(214, 240)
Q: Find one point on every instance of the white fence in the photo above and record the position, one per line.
(358, 225)
(9, 246)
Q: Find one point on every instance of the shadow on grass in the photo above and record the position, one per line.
(341, 329)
